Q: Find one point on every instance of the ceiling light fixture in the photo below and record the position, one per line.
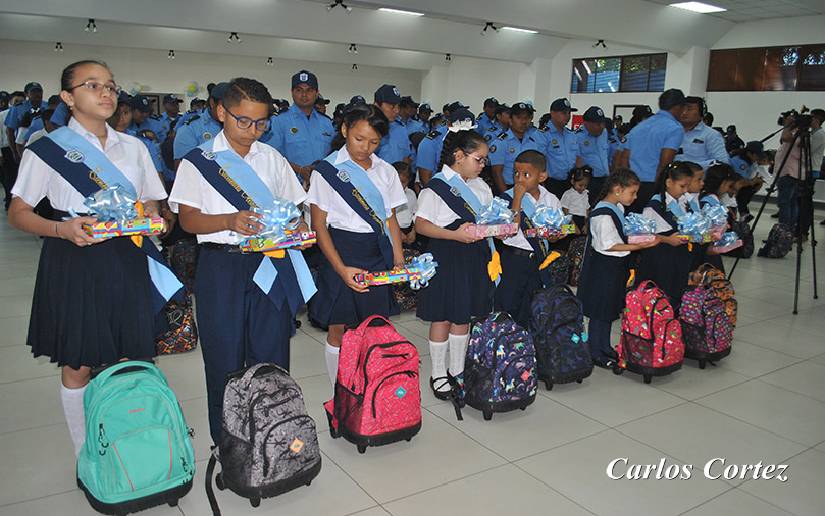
(517, 29)
(353, 48)
(270, 61)
(354, 66)
(336, 3)
(58, 47)
(399, 11)
(698, 7)
(600, 43)
(171, 54)
(91, 26)
(488, 25)
(448, 57)
(233, 36)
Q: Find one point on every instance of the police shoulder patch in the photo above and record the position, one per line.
(433, 134)
(502, 136)
(492, 149)
(195, 117)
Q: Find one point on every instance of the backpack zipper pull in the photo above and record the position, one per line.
(101, 438)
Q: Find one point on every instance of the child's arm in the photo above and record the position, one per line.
(428, 229)
(243, 222)
(637, 247)
(319, 225)
(395, 235)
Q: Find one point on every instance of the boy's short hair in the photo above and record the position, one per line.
(402, 167)
(242, 88)
(533, 158)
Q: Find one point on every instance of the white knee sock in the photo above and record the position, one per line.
(458, 349)
(75, 415)
(331, 354)
(438, 357)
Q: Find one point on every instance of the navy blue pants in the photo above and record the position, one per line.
(598, 335)
(239, 325)
(787, 201)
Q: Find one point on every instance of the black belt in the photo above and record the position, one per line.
(227, 248)
(519, 252)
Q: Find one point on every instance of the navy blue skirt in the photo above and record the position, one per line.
(520, 279)
(461, 288)
(335, 302)
(667, 266)
(602, 285)
(92, 305)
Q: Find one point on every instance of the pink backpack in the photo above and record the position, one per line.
(651, 342)
(377, 395)
(706, 326)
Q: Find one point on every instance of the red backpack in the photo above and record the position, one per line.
(651, 342)
(377, 395)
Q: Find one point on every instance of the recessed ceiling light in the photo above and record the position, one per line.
(517, 29)
(399, 11)
(699, 7)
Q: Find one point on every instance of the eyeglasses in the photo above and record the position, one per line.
(98, 87)
(244, 122)
(481, 161)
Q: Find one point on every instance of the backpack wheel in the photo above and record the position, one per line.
(702, 364)
(308, 483)
(219, 482)
(523, 408)
(488, 415)
(617, 370)
(548, 385)
(362, 448)
(173, 503)
(255, 502)
(579, 380)
(648, 378)
(409, 439)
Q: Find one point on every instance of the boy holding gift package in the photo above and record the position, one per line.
(246, 301)
(522, 258)
(94, 300)
(462, 288)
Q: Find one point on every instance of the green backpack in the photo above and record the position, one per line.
(138, 451)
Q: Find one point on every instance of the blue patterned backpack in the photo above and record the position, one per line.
(500, 367)
(557, 329)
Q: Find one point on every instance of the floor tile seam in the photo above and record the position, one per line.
(821, 402)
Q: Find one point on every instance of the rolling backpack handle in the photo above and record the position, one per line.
(115, 369)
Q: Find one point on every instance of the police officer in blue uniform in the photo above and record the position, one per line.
(420, 123)
(488, 126)
(321, 105)
(196, 107)
(616, 141)
(301, 134)
(503, 116)
(32, 106)
(745, 162)
(201, 127)
(562, 147)
(594, 149)
(428, 157)
(143, 120)
(505, 147)
(396, 145)
(653, 144)
(171, 113)
(37, 120)
(701, 144)
(407, 110)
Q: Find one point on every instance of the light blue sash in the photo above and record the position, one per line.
(463, 190)
(528, 204)
(612, 207)
(673, 206)
(356, 175)
(713, 201)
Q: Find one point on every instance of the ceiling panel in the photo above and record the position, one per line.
(748, 10)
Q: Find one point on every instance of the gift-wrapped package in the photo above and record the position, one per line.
(639, 229)
(417, 272)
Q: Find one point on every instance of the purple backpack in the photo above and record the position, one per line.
(500, 367)
(707, 330)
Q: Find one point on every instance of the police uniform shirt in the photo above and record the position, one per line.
(300, 139)
(152, 123)
(616, 144)
(414, 125)
(429, 150)
(16, 113)
(545, 199)
(703, 145)
(604, 235)
(396, 145)
(576, 203)
(339, 213)
(197, 130)
(406, 214)
(433, 208)
(646, 141)
(662, 225)
(61, 115)
(561, 151)
(154, 151)
(594, 151)
(166, 122)
(489, 128)
(742, 167)
(36, 125)
(37, 180)
(189, 115)
(505, 148)
(193, 190)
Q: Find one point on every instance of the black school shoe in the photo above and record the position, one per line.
(604, 362)
(442, 382)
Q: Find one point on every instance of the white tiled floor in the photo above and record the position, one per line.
(766, 402)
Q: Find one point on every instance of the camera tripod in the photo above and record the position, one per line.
(804, 200)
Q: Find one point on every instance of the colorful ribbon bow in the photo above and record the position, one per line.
(278, 218)
(694, 225)
(635, 224)
(716, 214)
(729, 239)
(497, 212)
(425, 266)
(113, 204)
(553, 218)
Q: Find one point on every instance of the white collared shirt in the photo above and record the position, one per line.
(576, 203)
(193, 190)
(406, 213)
(433, 208)
(339, 213)
(604, 235)
(37, 180)
(661, 224)
(545, 199)
(4, 138)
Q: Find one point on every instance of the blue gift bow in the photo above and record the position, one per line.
(497, 212)
(576, 339)
(554, 218)
(728, 239)
(113, 204)
(635, 224)
(425, 266)
(694, 225)
(716, 214)
(277, 218)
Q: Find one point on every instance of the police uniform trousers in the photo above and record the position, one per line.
(239, 324)
(335, 302)
(461, 288)
(520, 280)
(92, 305)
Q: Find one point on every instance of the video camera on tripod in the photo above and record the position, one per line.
(799, 120)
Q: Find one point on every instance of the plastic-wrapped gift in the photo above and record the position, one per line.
(289, 240)
(547, 232)
(496, 219)
(717, 215)
(550, 223)
(729, 241)
(695, 228)
(638, 229)
(417, 272)
(118, 214)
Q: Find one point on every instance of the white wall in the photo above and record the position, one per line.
(28, 61)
